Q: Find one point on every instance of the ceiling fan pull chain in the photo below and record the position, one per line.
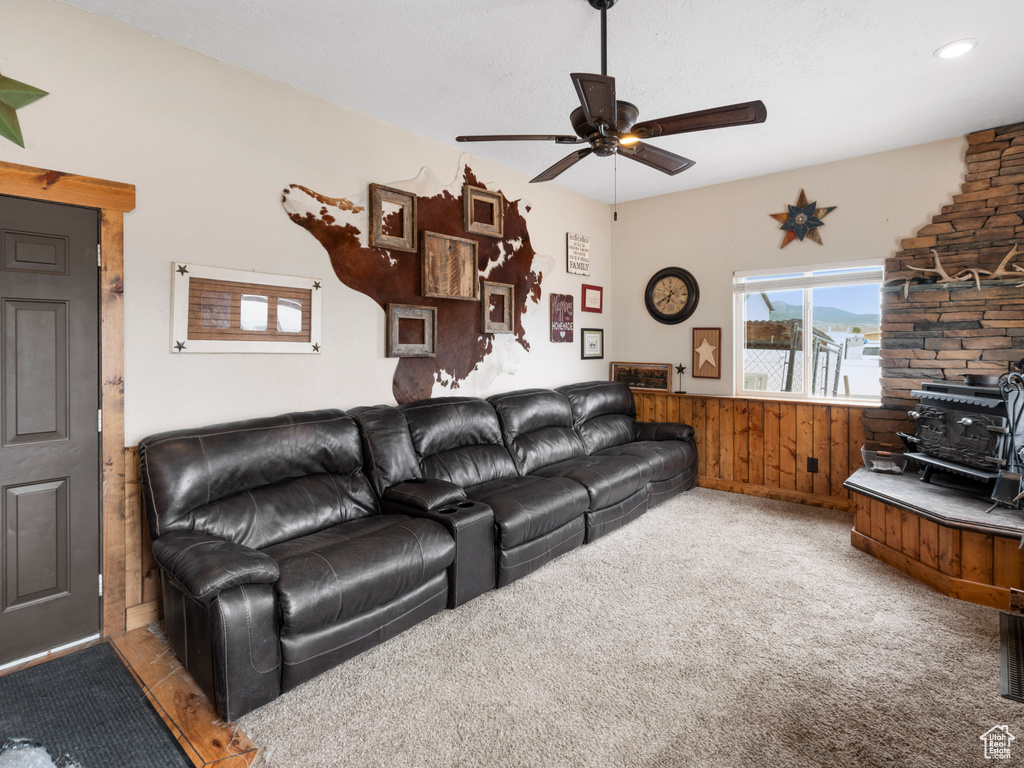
(615, 188)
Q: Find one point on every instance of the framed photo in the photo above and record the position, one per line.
(593, 298)
(449, 267)
(483, 211)
(412, 331)
(497, 305)
(656, 376)
(561, 317)
(392, 218)
(707, 353)
(591, 343)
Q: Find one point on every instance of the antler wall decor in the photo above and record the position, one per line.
(972, 273)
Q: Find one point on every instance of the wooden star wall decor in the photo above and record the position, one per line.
(13, 96)
(802, 220)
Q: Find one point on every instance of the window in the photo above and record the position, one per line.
(226, 310)
(840, 308)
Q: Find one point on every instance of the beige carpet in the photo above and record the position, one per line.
(717, 630)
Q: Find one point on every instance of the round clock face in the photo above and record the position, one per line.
(671, 295)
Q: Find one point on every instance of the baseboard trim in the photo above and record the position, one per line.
(143, 614)
(969, 591)
(765, 492)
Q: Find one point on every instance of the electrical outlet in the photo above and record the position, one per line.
(812, 464)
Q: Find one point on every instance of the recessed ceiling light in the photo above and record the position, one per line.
(956, 48)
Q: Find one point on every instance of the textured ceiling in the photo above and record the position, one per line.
(839, 78)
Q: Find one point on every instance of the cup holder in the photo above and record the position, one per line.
(447, 511)
(465, 504)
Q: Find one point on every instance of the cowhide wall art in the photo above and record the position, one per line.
(342, 225)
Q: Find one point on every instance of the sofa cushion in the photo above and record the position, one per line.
(603, 413)
(608, 479)
(241, 480)
(526, 508)
(537, 427)
(346, 570)
(458, 439)
(663, 458)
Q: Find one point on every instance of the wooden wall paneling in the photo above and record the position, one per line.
(929, 543)
(804, 446)
(727, 443)
(976, 557)
(741, 441)
(862, 514)
(713, 437)
(755, 417)
(700, 435)
(772, 445)
(1006, 562)
(839, 450)
(674, 413)
(787, 446)
(856, 439)
(133, 525)
(821, 479)
(911, 534)
(949, 551)
(878, 521)
(661, 407)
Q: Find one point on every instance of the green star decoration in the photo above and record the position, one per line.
(13, 96)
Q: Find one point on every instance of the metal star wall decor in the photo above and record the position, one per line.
(13, 96)
(802, 220)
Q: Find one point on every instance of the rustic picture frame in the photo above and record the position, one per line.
(483, 211)
(592, 298)
(504, 295)
(449, 267)
(651, 376)
(379, 238)
(417, 322)
(707, 364)
(591, 343)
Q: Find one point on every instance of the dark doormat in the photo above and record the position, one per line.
(86, 711)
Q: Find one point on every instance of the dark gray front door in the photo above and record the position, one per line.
(49, 441)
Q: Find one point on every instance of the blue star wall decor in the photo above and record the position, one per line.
(13, 96)
(802, 220)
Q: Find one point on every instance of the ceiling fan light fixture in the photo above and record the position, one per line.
(628, 140)
(956, 48)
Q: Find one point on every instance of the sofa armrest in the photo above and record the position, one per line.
(646, 430)
(425, 495)
(203, 564)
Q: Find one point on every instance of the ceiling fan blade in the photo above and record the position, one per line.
(597, 97)
(748, 113)
(562, 165)
(663, 160)
(524, 137)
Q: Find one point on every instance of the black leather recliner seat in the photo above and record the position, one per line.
(277, 562)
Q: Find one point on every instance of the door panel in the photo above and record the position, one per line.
(49, 455)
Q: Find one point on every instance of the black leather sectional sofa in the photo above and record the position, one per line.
(290, 544)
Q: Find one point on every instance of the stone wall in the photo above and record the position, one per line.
(949, 327)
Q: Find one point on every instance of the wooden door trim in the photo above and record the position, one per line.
(113, 199)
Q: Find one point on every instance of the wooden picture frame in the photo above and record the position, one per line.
(380, 196)
(500, 297)
(412, 331)
(483, 211)
(561, 318)
(449, 267)
(591, 344)
(592, 299)
(650, 376)
(707, 353)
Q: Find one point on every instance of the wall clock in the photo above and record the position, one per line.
(671, 295)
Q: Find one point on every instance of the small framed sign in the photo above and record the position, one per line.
(577, 254)
(593, 298)
(657, 376)
(707, 353)
(561, 317)
(591, 343)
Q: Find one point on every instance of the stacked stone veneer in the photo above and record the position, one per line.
(943, 330)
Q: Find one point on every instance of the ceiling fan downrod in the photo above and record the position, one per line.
(603, 6)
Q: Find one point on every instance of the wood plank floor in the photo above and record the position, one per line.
(190, 715)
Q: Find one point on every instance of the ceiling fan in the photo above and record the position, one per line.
(609, 126)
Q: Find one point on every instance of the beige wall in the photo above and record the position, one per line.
(716, 231)
(210, 147)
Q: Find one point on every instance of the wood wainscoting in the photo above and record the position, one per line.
(143, 601)
(761, 447)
